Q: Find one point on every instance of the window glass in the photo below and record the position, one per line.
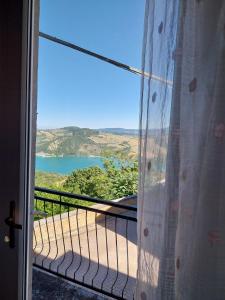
(79, 90)
(113, 28)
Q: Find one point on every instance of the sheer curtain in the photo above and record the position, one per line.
(181, 202)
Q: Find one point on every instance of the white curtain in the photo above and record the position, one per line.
(181, 203)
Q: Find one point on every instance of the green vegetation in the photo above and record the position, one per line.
(49, 180)
(119, 178)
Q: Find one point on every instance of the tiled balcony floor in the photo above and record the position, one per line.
(46, 286)
(110, 267)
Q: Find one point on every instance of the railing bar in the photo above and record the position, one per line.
(35, 205)
(56, 241)
(117, 258)
(35, 238)
(71, 241)
(127, 248)
(107, 253)
(35, 246)
(96, 236)
(86, 198)
(47, 234)
(89, 257)
(42, 242)
(60, 216)
(80, 256)
(88, 208)
(80, 283)
(82, 275)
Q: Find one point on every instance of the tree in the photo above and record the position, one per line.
(118, 178)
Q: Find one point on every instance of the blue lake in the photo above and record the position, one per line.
(65, 165)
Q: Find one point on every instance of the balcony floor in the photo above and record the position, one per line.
(46, 286)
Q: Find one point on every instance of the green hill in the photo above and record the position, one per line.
(85, 141)
(103, 142)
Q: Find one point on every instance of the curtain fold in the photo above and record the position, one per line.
(181, 202)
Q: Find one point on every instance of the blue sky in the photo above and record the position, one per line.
(76, 89)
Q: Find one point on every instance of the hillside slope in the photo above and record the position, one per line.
(103, 142)
(84, 141)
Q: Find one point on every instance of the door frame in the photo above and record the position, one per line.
(18, 93)
(30, 38)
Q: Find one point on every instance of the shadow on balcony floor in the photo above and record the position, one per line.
(46, 286)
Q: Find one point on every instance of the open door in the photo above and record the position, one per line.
(18, 49)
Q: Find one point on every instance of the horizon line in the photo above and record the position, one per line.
(99, 128)
(102, 128)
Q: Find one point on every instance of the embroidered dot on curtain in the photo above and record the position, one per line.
(181, 201)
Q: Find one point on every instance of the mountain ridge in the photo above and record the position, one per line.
(117, 142)
(73, 140)
(123, 131)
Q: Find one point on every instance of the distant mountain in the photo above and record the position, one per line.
(123, 131)
(84, 141)
(120, 131)
(101, 142)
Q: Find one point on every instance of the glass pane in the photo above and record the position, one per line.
(113, 28)
(75, 89)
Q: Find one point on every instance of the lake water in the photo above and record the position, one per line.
(65, 165)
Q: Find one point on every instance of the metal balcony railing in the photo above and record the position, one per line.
(88, 241)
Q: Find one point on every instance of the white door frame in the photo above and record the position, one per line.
(18, 91)
(28, 140)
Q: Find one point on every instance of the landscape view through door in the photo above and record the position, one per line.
(86, 177)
